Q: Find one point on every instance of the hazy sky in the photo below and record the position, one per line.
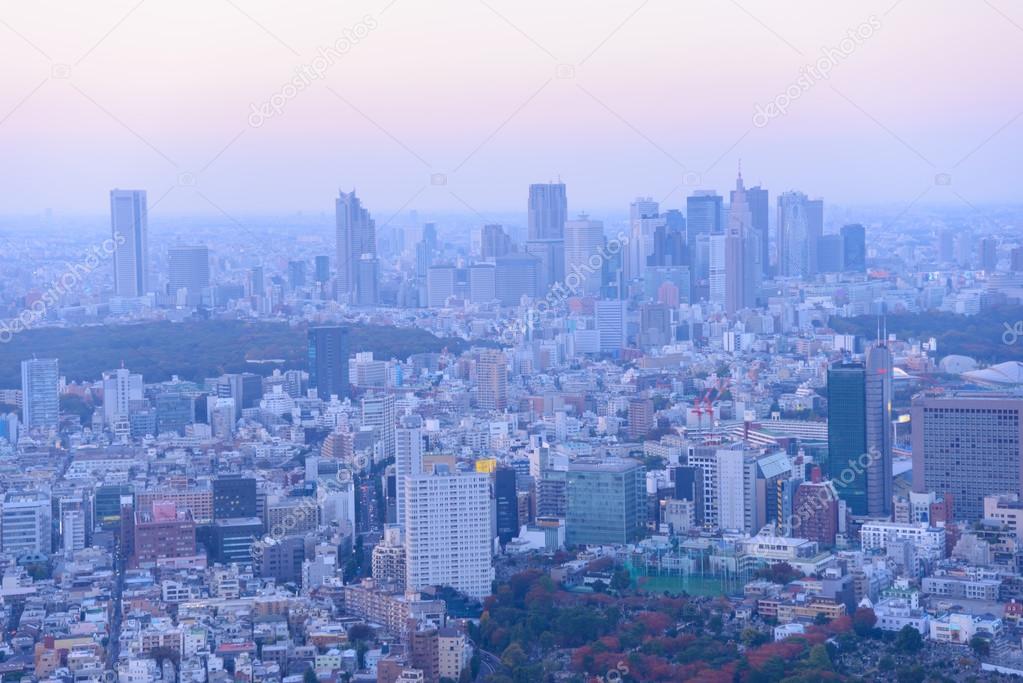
(459, 105)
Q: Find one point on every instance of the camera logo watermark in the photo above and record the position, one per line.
(820, 70)
(315, 70)
(1012, 333)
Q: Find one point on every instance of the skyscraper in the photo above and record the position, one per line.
(968, 445)
(584, 240)
(859, 432)
(735, 266)
(494, 241)
(606, 502)
(759, 208)
(548, 210)
(129, 226)
(492, 380)
(40, 393)
(506, 502)
(322, 268)
(854, 247)
(704, 217)
(378, 412)
(356, 237)
(328, 352)
(800, 225)
(447, 532)
(408, 459)
(188, 268)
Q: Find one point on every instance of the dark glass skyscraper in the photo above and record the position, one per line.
(328, 361)
(507, 503)
(859, 432)
(234, 496)
(854, 247)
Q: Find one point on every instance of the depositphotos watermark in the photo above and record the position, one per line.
(815, 504)
(307, 507)
(813, 73)
(559, 292)
(74, 274)
(315, 70)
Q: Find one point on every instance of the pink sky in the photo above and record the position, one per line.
(621, 99)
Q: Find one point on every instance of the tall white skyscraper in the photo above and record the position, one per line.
(40, 393)
(378, 412)
(448, 532)
(800, 225)
(584, 240)
(356, 237)
(188, 268)
(644, 219)
(408, 458)
(120, 387)
(129, 226)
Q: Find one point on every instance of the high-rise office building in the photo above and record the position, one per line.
(969, 445)
(408, 459)
(40, 393)
(494, 241)
(800, 226)
(447, 532)
(129, 225)
(704, 213)
(378, 412)
(120, 388)
(322, 268)
(441, 284)
(606, 502)
(367, 281)
(492, 380)
(328, 352)
(854, 247)
(356, 237)
(610, 319)
(737, 270)
(507, 504)
(25, 524)
(859, 432)
(759, 209)
(188, 268)
(988, 252)
(644, 222)
(296, 274)
(547, 211)
(641, 417)
(551, 253)
(234, 496)
(517, 275)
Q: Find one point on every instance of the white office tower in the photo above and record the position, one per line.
(72, 531)
(40, 393)
(718, 275)
(408, 460)
(378, 412)
(25, 524)
(119, 388)
(447, 532)
(610, 322)
(129, 226)
(337, 503)
(644, 219)
(584, 244)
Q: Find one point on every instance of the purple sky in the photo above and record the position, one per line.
(460, 105)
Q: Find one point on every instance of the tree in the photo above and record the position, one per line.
(514, 657)
(621, 580)
(310, 676)
(980, 645)
(863, 621)
(908, 640)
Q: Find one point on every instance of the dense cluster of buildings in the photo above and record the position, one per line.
(675, 396)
